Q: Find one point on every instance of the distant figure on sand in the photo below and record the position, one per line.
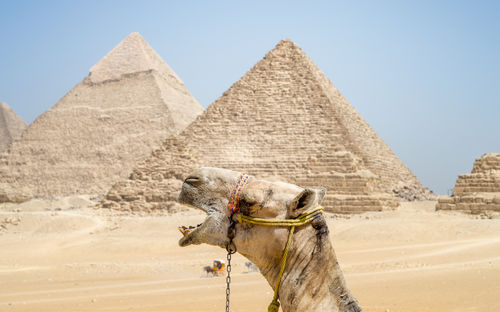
(217, 268)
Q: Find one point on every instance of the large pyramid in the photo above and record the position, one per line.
(11, 126)
(478, 191)
(128, 104)
(283, 118)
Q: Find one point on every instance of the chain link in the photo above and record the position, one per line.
(231, 249)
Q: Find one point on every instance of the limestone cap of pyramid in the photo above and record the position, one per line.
(133, 54)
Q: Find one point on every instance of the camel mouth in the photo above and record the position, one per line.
(189, 232)
(185, 230)
(208, 231)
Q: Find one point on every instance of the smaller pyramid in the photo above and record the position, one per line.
(11, 126)
(128, 104)
(478, 191)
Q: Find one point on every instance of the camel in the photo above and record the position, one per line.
(312, 279)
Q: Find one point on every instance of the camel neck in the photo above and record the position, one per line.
(312, 280)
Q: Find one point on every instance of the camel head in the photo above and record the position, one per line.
(209, 189)
(314, 281)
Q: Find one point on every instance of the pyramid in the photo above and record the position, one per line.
(128, 104)
(282, 119)
(11, 126)
(478, 191)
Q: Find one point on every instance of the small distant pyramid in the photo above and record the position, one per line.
(478, 191)
(11, 126)
(130, 102)
(282, 119)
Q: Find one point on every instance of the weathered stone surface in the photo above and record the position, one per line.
(11, 126)
(18, 196)
(282, 119)
(478, 191)
(129, 103)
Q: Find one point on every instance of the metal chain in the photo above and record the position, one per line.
(231, 249)
(228, 280)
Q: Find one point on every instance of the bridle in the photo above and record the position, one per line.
(234, 207)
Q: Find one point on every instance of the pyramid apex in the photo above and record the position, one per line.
(133, 54)
(5, 109)
(5, 106)
(134, 34)
(286, 42)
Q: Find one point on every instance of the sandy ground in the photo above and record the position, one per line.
(61, 255)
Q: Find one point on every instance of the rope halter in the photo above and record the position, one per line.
(304, 218)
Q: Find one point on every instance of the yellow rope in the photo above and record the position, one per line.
(274, 306)
(301, 220)
(304, 218)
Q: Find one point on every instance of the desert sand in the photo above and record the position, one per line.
(63, 255)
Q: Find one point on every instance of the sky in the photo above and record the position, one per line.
(424, 74)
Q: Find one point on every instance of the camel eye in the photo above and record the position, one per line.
(248, 206)
(193, 180)
(248, 203)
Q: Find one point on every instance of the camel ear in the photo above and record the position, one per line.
(307, 199)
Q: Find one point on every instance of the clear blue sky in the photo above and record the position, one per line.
(424, 74)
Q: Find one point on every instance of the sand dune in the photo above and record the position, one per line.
(62, 255)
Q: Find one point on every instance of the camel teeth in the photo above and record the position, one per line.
(185, 230)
